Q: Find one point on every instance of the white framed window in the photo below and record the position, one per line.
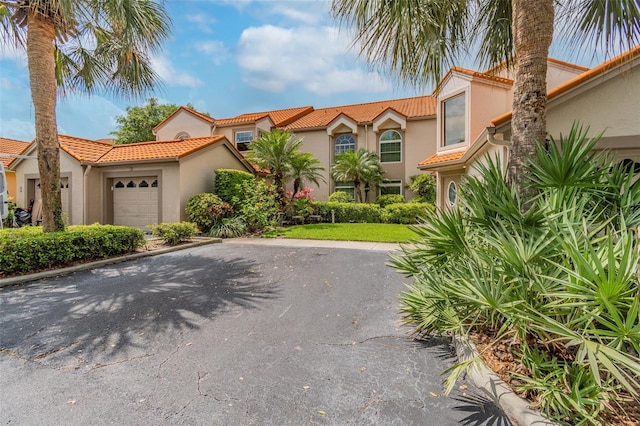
(453, 113)
(347, 187)
(390, 147)
(345, 142)
(452, 193)
(392, 186)
(243, 138)
(182, 136)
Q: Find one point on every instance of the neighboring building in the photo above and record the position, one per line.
(400, 131)
(135, 184)
(474, 111)
(11, 147)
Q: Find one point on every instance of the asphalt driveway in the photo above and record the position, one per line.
(225, 335)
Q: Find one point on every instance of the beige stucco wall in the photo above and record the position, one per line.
(558, 74)
(70, 168)
(183, 122)
(317, 143)
(486, 103)
(610, 104)
(197, 172)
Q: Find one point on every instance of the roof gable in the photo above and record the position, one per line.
(195, 113)
(421, 106)
(158, 150)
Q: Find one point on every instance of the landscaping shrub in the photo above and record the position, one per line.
(258, 206)
(424, 186)
(29, 249)
(555, 283)
(340, 197)
(349, 212)
(174, 233)
(229, 228)
(205, 209)
(406, 213)
(385, 200)
(228, 183)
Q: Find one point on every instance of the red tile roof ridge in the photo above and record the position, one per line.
(15, 140)
(196, 113)
(167, 141)
(373, 102)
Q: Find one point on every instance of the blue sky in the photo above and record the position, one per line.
(226, 58)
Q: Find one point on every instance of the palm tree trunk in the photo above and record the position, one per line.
(40, 56)
(532, 28)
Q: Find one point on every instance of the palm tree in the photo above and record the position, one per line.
(418, 41)
(85, 45)
(274, 151)
(360, 167)
(305, 167)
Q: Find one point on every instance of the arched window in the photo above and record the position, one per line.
(390, 147)
(345, 142)
(182, 135)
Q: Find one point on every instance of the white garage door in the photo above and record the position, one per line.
(64, 195)
(135, 201)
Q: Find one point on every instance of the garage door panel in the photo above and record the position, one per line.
(135, 202)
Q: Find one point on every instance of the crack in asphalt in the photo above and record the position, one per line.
(122, 361)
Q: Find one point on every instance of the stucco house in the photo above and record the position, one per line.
(136, 184)
(9, 148)
(400, 131)
(474, 114)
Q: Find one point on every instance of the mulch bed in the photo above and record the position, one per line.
(499, 357)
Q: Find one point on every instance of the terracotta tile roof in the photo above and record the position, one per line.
(11, 146)
(158, 150)
(280, 117)
(578, 80)
(474, 74)
(442, 157)
(83, 149)
(502, 64)
(421, 106)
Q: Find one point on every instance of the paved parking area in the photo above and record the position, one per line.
(225, 334)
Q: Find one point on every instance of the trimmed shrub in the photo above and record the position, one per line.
(174, 233)
(259, 207)
(29, 249)
(385, 200)
(228, 183)
(424, 186)
(406, 213)
(228, 228)
(206, 209)
(349, 212)
(340, 197)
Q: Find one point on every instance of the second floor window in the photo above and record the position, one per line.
(390, 147)
(243, 138)
(345, 142)
(454, 120)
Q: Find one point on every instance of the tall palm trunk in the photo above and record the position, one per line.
(40, 58)
(532, 28)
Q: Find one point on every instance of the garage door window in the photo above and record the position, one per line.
(143, 184)
(131, 184)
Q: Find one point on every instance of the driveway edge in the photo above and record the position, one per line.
(21, 279)
(516, 408)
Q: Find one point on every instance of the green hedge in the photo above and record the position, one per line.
(385, 200)
(29, 249)
(228, 183)
(406, 213)
(349, 212)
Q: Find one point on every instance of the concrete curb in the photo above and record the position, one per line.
(516, 408)
(21, 279)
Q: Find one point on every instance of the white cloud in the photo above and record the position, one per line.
(205, 23)
(317, 59)
(214, 50)
(169, 75)
(14, 128)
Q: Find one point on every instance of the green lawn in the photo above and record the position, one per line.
(379, 232)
